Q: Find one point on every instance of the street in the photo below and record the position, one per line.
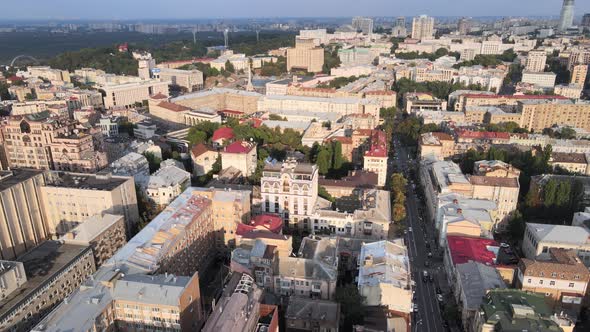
(428, 315)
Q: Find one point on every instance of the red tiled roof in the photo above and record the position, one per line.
(341, 139)
(159, 96)
(239, 147)
(464, 249)
(378, 145)
(442, 136)
(223, 133)
(265, 223)
(199, 149)
(15, 78)
(482, 134)
(519, 97)
(173, 107)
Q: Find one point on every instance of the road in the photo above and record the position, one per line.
(428, 317)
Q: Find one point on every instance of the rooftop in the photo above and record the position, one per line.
(564, 263)
(240, 147)
(105, 182)
(559, 234)
(41, 265)
(200, 149)
(91, 227)
(173, 107)
(569, 158)
(465, 249)
(478, 180)
(223, 133)
(262, 223)
(476, 280)
(313, 310)
(168, 176)
(8, 179)
(384, 262)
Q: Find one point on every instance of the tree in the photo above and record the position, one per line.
(323, 193)
(516, 227)
(337, 163)
(153, 161)
(567, 133)
(196, 136)
(323, 161)
(351, 304)
(399, 212)
(229, 67)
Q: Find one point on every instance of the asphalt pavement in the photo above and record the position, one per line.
(428, 316)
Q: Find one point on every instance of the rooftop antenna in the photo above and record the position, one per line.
(225, 35)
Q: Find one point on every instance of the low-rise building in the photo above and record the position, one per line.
(563, 279)
(573, 91)
(539, 238)
(505, 310)
(189, 79)
(578, 163)
(312, 315)
(203, 159)
(129, 94)
(436, 145)
(504, 191)
(474, 281)
(385, 277)
(166, 184)
(420, 101)
(542, 79)
(241, 155)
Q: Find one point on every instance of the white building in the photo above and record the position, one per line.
(166, 184)
(108, 126)
(544, 80)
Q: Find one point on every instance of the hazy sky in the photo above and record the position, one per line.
(185, 9)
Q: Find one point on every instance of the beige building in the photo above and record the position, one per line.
(439, 145)
(539, 238)
(42, 141)
(579, 74)
(203, 159)
(536, 61)
(540, 114)
(240, 155)
(23, 222)
(189, 79)
(502, 190)
(152, 282)
(71, 198)
(104, 233)
(302, 104)
(572, 91)
(166, 184)
(578, 163)
(423, 27)
(220, 99)
(129, 94)
(52, 272)
(540, 79)
(305, 55)
(49, 73)
(563, 279)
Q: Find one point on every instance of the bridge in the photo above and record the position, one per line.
(22, 56)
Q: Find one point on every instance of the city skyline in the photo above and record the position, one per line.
(185, 9)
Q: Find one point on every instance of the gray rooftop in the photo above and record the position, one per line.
(559, 233)
(476, 279)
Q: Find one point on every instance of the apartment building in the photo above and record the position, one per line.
(577, 163)
(536, 61)
(103, 233)
(423, 27)
(543, 80)
(312, 274)
(301, 104)
(49, 73)
(152, 282)
(71, 198)
(505, 310)
(39, 281)
(539, 238)
(128, 94)
(45, 142)
(436, 145)
(305, 55)
(385, 278)
(312, 315)
(540, 114)
(563, 278)
(572, 91)
(289, 189)
(363, 24)
(480, 99)
(23, 224)
(504, 191)
(240, 155)
(579, 74)
(376, 157)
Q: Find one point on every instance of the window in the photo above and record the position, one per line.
(540, 282)
(552, 283)
(571, 285)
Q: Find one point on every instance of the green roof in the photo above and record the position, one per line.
(513, 310)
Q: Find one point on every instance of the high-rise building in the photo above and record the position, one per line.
(363, 24)
(586, 21)
(536, 61)
(579, 74)
(463, 26)
(305, 55)
(566, 20)
(400, 21)
(423, 27)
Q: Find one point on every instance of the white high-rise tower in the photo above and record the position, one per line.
(566, 19)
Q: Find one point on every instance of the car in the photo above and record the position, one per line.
(429, 255)
(427, 245)
(426, 264)
(415, 307)
(439, 297)
(431, 278)
(409, 229)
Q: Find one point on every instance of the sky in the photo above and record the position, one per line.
(187, 9)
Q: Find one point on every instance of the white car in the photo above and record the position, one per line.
(409, 229)
(415, 307)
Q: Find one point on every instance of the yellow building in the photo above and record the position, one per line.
(305, 55)
(540, 114)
